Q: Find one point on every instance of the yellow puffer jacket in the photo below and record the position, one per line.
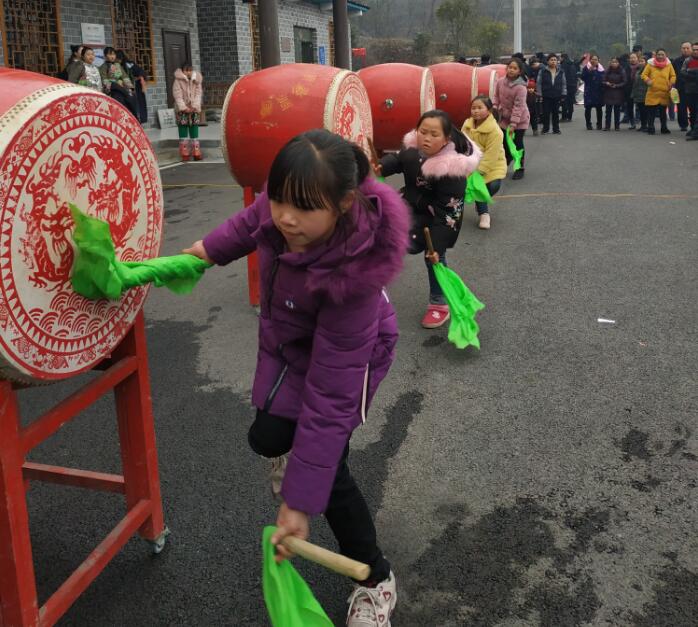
(663, 80)
(490, 138)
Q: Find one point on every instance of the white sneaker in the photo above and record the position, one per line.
(278, 470)
(372, 607)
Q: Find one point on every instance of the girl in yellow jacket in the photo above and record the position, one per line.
(660, 76)
(483, 129)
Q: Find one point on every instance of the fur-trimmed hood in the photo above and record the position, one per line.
(196, 77)
(447, 162)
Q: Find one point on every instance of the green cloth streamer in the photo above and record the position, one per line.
(463, 306)
(288, 598)
(98, 274)
(476, 189)
(513, 150)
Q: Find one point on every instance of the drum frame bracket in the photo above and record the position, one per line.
(125, 372)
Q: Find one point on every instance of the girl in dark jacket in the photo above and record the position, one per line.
(435, 161)
(329, 239)
(593, 77)
(614, 92)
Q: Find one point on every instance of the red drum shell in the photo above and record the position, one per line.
(399, 94)
(61, 143)
(264, 110)
(485, 78)
(454, 89)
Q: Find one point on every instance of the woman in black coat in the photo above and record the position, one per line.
(614, 83)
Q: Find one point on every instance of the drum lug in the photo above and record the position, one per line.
(389, 103)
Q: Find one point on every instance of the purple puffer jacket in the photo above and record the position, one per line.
(510, 101)
(327, 331)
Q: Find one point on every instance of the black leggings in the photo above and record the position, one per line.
(656, 111)
(518, 142)
(346, 513)
(615, 110)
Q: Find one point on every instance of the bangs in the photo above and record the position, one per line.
(300, 178)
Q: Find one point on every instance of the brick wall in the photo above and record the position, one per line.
(218, 48)
(75, 12)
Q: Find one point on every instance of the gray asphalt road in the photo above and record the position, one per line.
(548, 479)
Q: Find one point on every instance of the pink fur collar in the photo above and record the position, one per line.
(447, 162)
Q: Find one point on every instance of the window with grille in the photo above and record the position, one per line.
(254, 31)
(133, 32)
(32, 36)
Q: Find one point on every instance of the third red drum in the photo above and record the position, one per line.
(484, 79)
(454, 89)
(265, 109)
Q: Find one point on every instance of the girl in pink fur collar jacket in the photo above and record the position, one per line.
(436, 160)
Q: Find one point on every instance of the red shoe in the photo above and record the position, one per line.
(436, 316)
(196, 153)
(184, 149)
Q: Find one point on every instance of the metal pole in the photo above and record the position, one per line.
(518, 46)
(269, 33)
(342, 51)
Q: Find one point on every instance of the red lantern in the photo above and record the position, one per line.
(265, 109)
(399, 94)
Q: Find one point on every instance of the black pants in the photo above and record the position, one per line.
(682, 111)
(599, 114)
(519, 143)
(642, 113)
(692, 106)
(616, 115)
(534, 111)
(122, 95)
(346, 513)
(630, 110)
(568, 103)
(551, 110)
(653, 112)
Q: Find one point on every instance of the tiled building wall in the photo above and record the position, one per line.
(218, 47)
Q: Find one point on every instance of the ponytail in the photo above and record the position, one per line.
(460, 141)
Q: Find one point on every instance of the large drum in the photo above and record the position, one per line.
(485, 77)
(265, 109)
(454, 89)
(399, 94)
(60, 144)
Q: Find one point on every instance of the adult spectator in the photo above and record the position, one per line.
(569, 67)
(660, 77)
(551, 87)
(73, 68)
(614, 92)
(631, 72)
(137, 75)
(485, 59)
(681, 108)
(592, 77)
(639, 94)
(689, 74)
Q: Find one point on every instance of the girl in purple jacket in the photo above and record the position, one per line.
(329, 240)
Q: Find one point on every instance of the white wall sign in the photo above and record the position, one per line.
(93, 34)
(166, 117)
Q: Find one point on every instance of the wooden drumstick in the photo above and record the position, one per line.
(375, 161)
(334, 561)
(427, 235)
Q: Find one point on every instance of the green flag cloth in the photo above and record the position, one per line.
(288, 598)
(98, 274)
(476, 189)
(513, 150)
(463, 306)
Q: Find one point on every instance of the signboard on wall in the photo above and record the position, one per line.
(286, 44)
(321, 56)
(93, 34)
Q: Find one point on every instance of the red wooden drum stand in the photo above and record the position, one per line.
(125, 372)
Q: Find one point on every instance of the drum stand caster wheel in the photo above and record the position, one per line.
(158, 544)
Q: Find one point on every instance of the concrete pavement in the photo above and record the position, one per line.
(548, 479)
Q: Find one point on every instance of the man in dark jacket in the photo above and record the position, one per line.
(689, 74)
(551, 87)
(682, 109)
(485, 59)
(569, 68)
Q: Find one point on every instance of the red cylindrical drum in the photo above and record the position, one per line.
(454, 89)
(60, 144)
(484, 79)
(265, 109)
(399, 94)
